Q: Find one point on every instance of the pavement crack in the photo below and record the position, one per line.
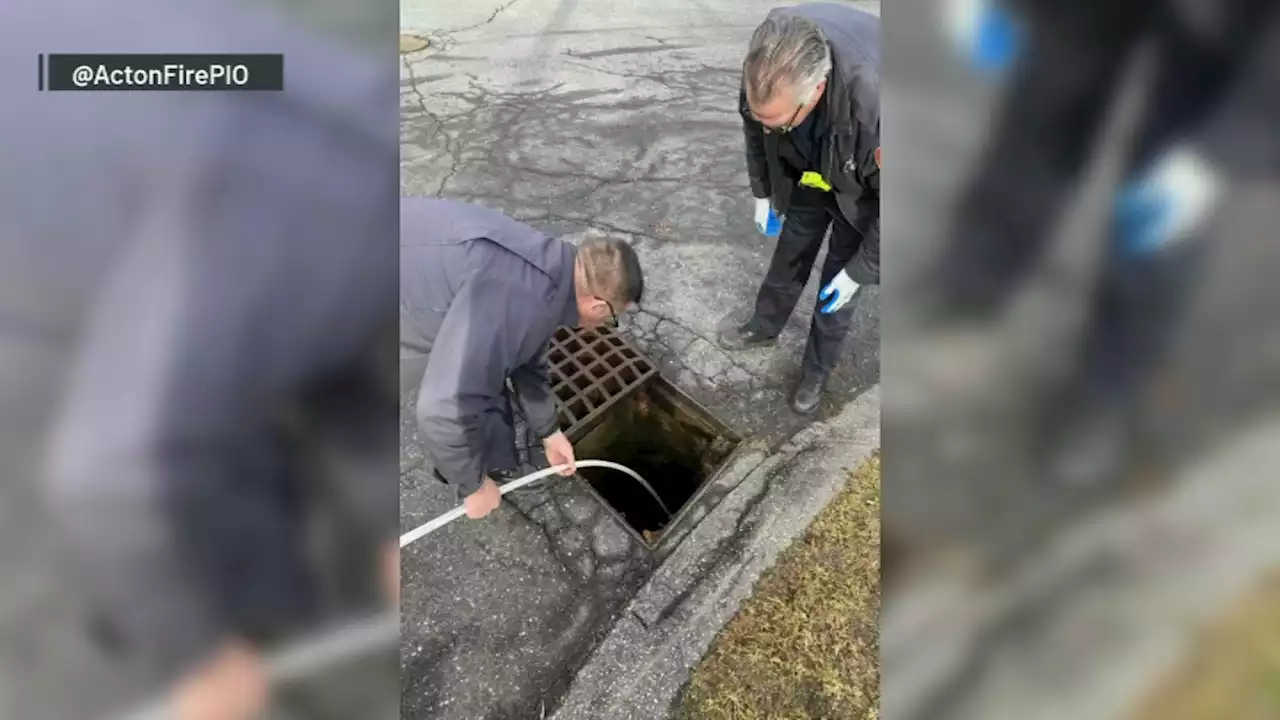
(597, 225)
(552, 545)
(670, 81)
(604, 180)
(500, 9)
(692, 83)
(596, 68)
(698, 335)
(451, 147)
(492, 16)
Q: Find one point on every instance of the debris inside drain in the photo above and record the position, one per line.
(665, 437)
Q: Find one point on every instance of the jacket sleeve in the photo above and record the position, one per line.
(469, 364)
(757, 165)
(173, 489)
(532, 382)
(863, 213)
(862, 210)
(109, 480)
(864, 268)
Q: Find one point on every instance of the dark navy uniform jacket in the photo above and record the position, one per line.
(481, 295)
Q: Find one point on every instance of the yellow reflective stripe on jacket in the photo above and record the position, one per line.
(814, 180)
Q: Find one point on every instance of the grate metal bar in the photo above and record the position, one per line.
(590, 371)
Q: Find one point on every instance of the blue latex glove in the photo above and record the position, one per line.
(1166, 203)
(838, 292)
(767, 221)
(989, 37)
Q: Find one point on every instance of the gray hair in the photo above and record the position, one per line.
(786, 52)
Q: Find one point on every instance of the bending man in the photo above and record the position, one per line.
(480, 297)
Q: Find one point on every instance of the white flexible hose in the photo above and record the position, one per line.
(324, 651)
(432, 525)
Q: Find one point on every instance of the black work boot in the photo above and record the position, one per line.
(808, 394)
(744, 337)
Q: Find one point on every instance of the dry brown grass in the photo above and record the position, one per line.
(806, 644)
(1235, 672)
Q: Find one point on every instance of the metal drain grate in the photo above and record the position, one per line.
(590, 371)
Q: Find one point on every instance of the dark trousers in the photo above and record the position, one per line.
(1043, 138)
(1141, 300)
(1045, 133)
(500, 449)
(500, 453)
(811, 213)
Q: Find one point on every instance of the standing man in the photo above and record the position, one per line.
(810, 105)
(480, 297)
(1205, 118)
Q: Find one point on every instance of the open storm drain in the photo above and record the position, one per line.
(615, 406)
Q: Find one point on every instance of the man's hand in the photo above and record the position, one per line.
(483, 501)
(838, 292)
(560, 452)
(230, 685)
(1166, 204)
(987, 34)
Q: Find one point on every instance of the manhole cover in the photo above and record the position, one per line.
(412, 44)
(617, 407)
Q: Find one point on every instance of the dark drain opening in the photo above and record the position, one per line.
(666, 438)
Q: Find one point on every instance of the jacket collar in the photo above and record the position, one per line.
(566, 291)
(839, 103)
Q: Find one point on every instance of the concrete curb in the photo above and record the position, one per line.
(639, 670)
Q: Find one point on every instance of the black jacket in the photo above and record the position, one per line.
(853, 102)
(482, 294)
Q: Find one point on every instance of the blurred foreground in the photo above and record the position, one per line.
(1079, 363)
(196, 298)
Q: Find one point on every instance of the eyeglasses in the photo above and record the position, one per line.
(786, 127)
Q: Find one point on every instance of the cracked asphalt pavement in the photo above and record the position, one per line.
(586, 119)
